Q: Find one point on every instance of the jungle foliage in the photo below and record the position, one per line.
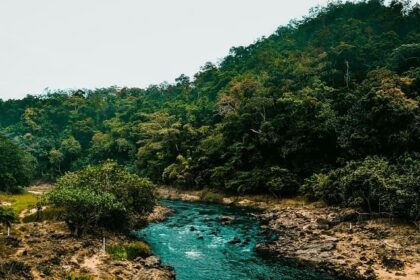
(330, 101)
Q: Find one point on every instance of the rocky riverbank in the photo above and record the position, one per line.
(46, 250)
(337, 241)
(334, 240)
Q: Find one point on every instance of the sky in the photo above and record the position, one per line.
(60, 44)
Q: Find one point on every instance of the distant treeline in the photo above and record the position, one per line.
(327, 106)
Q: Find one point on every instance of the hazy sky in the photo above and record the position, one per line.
(100, 43)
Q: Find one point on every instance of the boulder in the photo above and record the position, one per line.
(225, 219)
(235, 240)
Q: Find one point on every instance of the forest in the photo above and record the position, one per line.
(326, 107)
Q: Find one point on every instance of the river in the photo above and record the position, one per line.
(199, 246)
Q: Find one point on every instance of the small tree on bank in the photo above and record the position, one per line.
(102, 196)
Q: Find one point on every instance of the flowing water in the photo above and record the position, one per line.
(199, 246)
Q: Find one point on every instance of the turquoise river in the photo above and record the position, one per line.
(196, 242)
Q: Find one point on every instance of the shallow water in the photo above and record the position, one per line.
(197, 245)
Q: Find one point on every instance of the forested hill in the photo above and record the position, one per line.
(328, 105)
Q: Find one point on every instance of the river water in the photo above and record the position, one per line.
(199, 246)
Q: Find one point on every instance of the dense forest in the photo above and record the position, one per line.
(327, 107)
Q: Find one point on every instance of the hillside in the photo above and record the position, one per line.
(327, 107)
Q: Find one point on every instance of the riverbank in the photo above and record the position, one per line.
(334, 240)
(47, 250)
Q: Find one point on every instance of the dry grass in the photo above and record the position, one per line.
(19, 202)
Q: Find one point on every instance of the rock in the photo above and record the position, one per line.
(235, 240)
(370, 274)
(392, 262)
(227, 200)
(152, 262)
(159, 214)
(192, 228)
(264, 249)
(225, 219)
(345, 215)
(215, 233)
(328, 247)
(58, 235)
(322, 221)
(245, 202)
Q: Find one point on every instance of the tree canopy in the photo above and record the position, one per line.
(334, 93)
(16, 166)
(102, 196)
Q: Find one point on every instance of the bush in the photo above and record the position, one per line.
(129, 251)
(7, 217)
(314, 187)
(211, 197)
(103, 195)
(85, 209)
(117, 251)
(137, 249)
(373, 184)
(179, 173)
(274, 180)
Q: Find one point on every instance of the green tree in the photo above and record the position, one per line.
(103, 195)
(16, 167)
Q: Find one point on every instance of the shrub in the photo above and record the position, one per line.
(117, 251)
(104, 195)
(275, 180)
(85, 209)
(373, 184)
(179, 173)
(282, 181)
(211, 197)
(314, 187)
(129, 251)
(7, 217)
(137, 249)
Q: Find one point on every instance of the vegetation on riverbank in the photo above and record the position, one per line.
(102, 197)
(340, 241)
(329, 101)
(327, 107)
(48, 250)
(40, 246)
(18, 202)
